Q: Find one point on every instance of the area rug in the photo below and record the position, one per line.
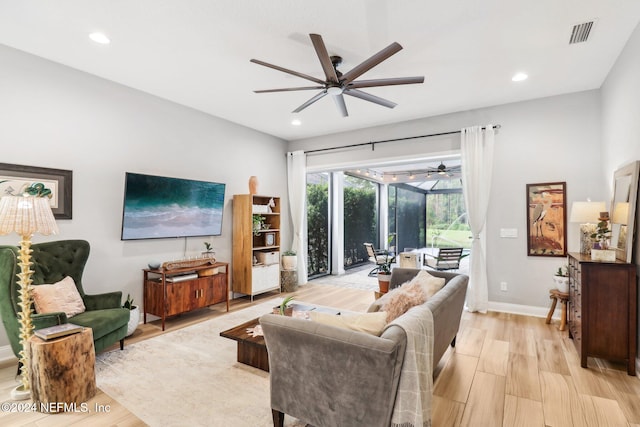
(190, 377)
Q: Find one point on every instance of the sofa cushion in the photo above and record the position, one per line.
(431, 284)
(414, 292)
(370, 323)
(62, 296)
(103, 322)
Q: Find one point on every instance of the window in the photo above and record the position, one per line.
(317, 224)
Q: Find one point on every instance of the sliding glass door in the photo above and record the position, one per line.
(360, 219)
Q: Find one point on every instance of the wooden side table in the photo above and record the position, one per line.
(288, 280)
(63, 371)
(556, 295)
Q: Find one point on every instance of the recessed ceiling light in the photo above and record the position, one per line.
(518, 77)
(99, 38)
(296, 122)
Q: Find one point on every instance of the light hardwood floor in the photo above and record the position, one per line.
(506, 370)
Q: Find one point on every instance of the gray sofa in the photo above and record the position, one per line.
(328, 376)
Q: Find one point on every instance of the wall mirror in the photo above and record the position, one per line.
(623, 210)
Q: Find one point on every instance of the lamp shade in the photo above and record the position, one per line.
(586, 212)
(620, 213)
(26, 215)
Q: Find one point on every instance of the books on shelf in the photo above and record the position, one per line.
(58, 331)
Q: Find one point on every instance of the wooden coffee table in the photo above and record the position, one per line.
(252, 351)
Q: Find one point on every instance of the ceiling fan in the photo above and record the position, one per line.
(338, 84)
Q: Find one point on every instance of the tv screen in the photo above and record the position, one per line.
(157, 207)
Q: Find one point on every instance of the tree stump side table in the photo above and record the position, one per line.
(288, 280)
(62, 371)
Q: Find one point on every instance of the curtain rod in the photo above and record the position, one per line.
(373, 143)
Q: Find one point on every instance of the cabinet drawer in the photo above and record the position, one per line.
(265, 277)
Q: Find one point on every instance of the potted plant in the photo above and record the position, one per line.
(600, 251)
(285, 308)
(561, 279)
(289, 260)
(134, 315)
(384, 276)
(208, 250)
(258, 223)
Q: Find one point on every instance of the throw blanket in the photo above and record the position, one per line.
(412, 407)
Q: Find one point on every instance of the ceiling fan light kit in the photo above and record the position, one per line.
(337, 84)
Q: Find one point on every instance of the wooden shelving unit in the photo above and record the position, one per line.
(256, 255)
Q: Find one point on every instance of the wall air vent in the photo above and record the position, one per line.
(580, 32)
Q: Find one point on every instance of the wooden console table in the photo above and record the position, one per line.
(165, 294)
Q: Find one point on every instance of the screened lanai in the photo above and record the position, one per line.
(396, 207)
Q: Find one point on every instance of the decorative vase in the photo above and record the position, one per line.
(383, 281)
(134, 319)
(253, 185)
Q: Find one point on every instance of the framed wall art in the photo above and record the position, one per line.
(15, 178)
(269, 239)
(547, 219)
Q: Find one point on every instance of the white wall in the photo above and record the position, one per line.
(621, 124)
(546, 140)
(57, 117)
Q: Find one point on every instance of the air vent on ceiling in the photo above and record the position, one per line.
(580, 32)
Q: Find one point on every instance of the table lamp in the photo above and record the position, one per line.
(26, 215)
(586, 214)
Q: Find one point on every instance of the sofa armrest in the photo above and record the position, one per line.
(326, 375)
(103, 301)
(45, 320)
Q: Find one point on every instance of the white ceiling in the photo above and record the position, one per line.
(196, 52)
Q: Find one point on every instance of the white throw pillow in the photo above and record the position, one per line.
(60, 296)
(370, 323)
(430, 283)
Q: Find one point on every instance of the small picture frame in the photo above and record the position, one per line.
(269, 239)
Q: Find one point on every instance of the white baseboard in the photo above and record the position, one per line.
(526, 310)
(6, 354)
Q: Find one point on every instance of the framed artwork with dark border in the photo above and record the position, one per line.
(547, 219)
(14, 178)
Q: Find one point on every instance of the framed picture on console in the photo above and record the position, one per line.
(269, 239)
(14, 178)
(547, 219)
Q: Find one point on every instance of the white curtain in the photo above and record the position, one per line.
(477, 165)
(297, 184)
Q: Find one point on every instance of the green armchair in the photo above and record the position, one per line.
(52, 262)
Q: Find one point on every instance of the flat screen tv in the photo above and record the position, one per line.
(157, 207)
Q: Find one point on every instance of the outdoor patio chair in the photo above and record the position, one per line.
(445, 259)
(379, 257)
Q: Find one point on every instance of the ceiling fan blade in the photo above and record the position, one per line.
(385, 82)
(286, 70)
(342, 107)
(311, 101)
(368, 97)
(288, 89)
(368, 64)
(325, 59)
